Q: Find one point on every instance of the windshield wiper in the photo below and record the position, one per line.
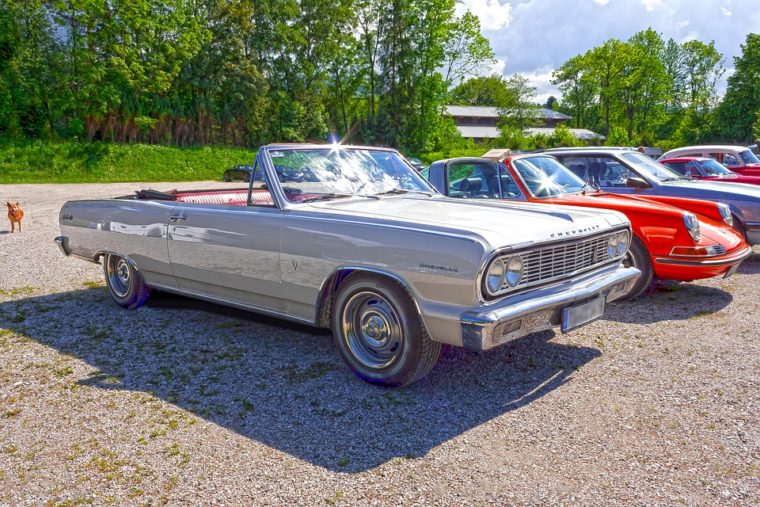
(329, 197)
(403, 191)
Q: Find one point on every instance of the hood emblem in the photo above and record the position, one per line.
(574, 232)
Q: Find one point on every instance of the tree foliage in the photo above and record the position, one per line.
(741, 104)
(235, 72)
(643, 89)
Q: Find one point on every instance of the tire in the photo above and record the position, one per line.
(124, 282)
(739, 228)
(638, 257)
(227, 177)
(379, 332)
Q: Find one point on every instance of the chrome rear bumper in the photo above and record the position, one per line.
(541, 309)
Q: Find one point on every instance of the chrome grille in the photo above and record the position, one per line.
(561, 260)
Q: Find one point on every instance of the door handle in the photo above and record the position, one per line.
(174, 218)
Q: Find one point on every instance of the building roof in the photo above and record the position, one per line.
(493, 112)
(478, 132)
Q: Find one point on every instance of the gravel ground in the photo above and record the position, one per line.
(186, 402)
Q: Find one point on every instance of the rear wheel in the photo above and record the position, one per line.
(379, 332)
(124, 282)
(638, 257)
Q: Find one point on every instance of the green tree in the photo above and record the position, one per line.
(738, 110)
(483, 91)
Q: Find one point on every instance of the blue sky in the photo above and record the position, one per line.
(532, 37)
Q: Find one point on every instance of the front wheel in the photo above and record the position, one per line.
(124, 282)
(379, 332)
(638, 257)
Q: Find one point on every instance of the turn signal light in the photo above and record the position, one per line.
(698, 251)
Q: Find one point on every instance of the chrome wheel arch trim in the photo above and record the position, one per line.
(100, 254)
(321, 294)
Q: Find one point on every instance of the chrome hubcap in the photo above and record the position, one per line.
(118, 275)
(372, 330)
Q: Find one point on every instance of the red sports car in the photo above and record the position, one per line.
(673, 238)
(705, 168)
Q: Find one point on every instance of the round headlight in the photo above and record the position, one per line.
(692, 225)
(622, 244)
(725, 212)
(612, 246)
(514, 270)
(495, 276)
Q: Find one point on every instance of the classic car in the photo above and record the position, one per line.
(739, 159)
(690, 242)
(238, 172)
(353, 239)
(624, 171)
(705, 168)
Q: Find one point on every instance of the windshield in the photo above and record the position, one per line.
(650, 167)
(712, 167)
(546, 177)
(748, 157)
(321, 173)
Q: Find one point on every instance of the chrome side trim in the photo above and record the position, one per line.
(752, 226)
(708, 262)
(232, 304)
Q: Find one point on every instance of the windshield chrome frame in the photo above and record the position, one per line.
(278, 194)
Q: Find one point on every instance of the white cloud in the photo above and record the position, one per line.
(651, 5)
(601, 2)
(543, 34)
(725, 11)
(493, 14)
(498, 67)
(541, 78)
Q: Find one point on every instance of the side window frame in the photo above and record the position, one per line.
(503, 169)
(257, 169)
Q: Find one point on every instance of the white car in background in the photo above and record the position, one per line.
(739, 159)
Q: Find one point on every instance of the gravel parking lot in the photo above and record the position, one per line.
(187, 402)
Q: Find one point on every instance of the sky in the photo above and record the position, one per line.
(533, 37)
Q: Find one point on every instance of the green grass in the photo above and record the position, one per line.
(72, 162)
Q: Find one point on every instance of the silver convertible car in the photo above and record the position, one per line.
(353, 239)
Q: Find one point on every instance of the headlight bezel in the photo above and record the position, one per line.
(725, 212)
(517, 268)
(491, 275)
(691, 222)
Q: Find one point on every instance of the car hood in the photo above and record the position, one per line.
(736, 178)
(618, 202)
(499, 223)
(714, 189)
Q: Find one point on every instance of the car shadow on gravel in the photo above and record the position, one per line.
(670, 301)
(284, 385)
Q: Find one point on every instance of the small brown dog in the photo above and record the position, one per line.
(15, 215)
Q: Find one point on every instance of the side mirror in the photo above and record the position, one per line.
(636, 182)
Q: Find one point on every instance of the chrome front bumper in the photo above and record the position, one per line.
(542, 308)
